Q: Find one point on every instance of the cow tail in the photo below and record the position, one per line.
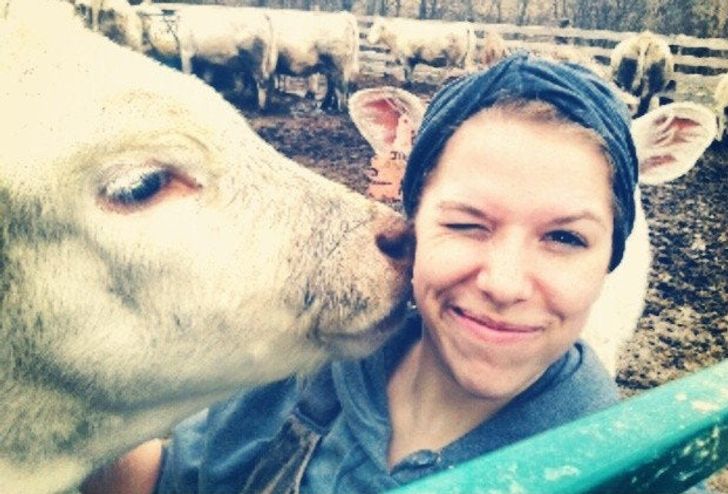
(354, 48)
(472, 41)
(271, 54)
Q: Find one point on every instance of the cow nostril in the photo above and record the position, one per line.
(396, 243)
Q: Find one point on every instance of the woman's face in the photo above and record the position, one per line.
(514, 233)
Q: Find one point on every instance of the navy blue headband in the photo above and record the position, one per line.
(579, 95)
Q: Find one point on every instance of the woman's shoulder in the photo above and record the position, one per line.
(579, 384)
(574, 386)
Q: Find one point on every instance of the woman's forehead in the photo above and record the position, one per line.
(501, 157)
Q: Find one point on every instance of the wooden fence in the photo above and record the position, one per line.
(707, 56)
(699, 62)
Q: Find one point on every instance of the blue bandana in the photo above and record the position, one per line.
(579, 94)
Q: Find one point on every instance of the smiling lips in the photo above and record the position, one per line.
(485, 326)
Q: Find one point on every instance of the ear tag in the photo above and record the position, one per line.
(385, 172)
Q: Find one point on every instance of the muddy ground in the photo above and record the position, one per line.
(685, 324)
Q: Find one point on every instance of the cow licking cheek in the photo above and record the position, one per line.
(157, 254)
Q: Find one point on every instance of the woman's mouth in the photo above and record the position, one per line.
(494, 330)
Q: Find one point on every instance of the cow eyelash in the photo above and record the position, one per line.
(136, 188)
(141, 187)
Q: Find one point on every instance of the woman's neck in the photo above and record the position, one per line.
(428, 408)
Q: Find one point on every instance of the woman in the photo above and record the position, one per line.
(520, 189)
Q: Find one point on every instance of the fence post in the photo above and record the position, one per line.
(662, 441)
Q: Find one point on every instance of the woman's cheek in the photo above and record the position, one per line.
(576, 286)
(443, 261)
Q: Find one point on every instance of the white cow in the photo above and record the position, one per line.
(160, 38)
(325, 43)
(643, 65)
(720, 101)
(156, 254)
(435, 43)
(214, 40)
(669, 142)
(115, 19)
(235, 38)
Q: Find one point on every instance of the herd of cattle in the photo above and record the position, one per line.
(245, 50)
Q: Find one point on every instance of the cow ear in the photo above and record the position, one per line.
(671, 139)
(378, 112)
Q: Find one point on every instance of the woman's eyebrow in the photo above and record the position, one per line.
(448, 206)
(585, 214)
(582, 215)
(463, 208)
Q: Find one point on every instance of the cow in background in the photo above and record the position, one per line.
(318, 43)
(494, 49)
(434, 43)
(643, 65)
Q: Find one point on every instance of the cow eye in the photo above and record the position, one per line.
(138, 188)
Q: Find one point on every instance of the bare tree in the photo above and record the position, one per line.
(383, 7)
(371, 7)
(434, 10)
(522, 14)
(499, 10)
(469, 14)
(397, 7)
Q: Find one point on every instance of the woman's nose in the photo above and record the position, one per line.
(505, 275)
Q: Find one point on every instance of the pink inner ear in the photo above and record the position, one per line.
(676, 131)
(657, 161)
(385, 118)
(684, 123)
(683, 128)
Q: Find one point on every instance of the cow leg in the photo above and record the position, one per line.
(667, 96)
(185, 62)
(261, 87)
(644, 105)
(626, 74)
(409, 69)
(266, 91)
(312, 82)
(330, 101)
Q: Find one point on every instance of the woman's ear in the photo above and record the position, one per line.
(387, 117)
(670, 139)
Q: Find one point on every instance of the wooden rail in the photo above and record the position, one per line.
(597, 44)
(662, 441)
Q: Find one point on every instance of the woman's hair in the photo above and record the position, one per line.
(566, 94)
